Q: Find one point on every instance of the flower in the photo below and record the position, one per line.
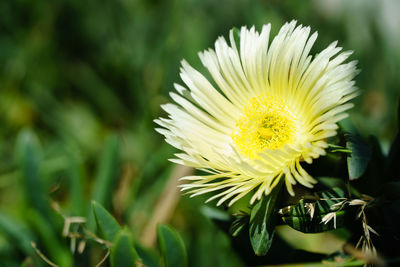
(265, 108)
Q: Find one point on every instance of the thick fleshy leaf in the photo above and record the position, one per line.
(263, 220)
(307, 216)
(359, 157)
(172, 247)
(106, 223)
(123, 253)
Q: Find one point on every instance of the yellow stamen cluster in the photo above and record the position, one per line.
(266, 123)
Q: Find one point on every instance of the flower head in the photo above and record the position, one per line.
(267, 107)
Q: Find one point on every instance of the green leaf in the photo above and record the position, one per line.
(57, 252)
(77, 179)
(17, 233)
(148, 257)
(106, 176)
(107, 171)
(359, 157)
(106, 223)
(123, 254)
(263, 220)
(299, 216)
(29, 157)
(172, 247)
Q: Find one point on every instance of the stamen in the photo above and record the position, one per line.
(266, 123)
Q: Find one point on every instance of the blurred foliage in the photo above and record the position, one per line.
(80, 85)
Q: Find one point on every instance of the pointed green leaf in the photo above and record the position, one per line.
(28, 157)
(359, 157)
(172, 247)
(77, 179)
(106, 177)
(106, 223)
(123, 253)
(263, 220)
(107, 171)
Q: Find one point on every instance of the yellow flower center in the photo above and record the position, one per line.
(266, 123)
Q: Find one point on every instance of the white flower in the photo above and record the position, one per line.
(266, 108)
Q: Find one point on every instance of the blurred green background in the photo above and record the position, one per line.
(82, 81)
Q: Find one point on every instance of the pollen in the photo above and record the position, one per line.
(266, 123)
